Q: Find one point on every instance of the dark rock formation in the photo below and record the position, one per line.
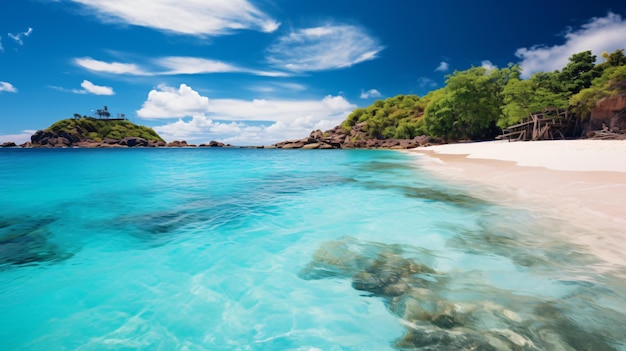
(134, 141)
(438, 317)
(177, 143)
(214, 143)
(355, 138)
(609, 113)
(44, 138)
(24, 241)
(8, 144)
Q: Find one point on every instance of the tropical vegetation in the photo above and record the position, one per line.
(99, 129)
(478, 103)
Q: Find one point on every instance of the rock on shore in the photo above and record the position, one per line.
(355, 138)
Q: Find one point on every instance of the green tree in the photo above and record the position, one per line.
(469, 106)
(579, 72)
(523, 97)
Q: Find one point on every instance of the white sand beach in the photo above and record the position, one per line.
(580, 181)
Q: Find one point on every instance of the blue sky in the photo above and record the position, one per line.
(252, 72)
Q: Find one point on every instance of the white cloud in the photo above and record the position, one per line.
(7, 87)
(20, 138)
(443, 67)
(1, 48)
(96, 89)
(272, 87)
(425, 82)
(190, 17)
(487, 65)
(198, 130)
(372, 93)
(171, 65)
(18, 37)
(111, 67)
(598, 35)
(323, 48)
(88, 88)
(194, 65)
(240, 122)
(168, 102)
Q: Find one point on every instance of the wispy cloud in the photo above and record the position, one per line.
(111, 67)
(91, 88)
(425, 82)
(190, 17)
(323, 48)
(18, 37)
(194, 65)
(1, 48)
(258, 121)
(7, 87)
(272, 87)
(372, 93)
(87, 88)
(598, 35)
(443, 67)
(172, 65)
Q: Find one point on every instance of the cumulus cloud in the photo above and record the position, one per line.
(323, 48)
(598, 35)
(168, 102)
(372, 93)
(443, 67)
(7, 87)
(189, 17)
(18, 138)
(241, 122)
(18, 37)
(487, 65)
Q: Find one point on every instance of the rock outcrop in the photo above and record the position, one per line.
(355, 138)
(609, 113)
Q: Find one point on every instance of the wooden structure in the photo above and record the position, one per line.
(549, 124)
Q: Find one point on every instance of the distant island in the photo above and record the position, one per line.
(100, 132)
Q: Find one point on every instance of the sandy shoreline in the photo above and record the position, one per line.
(580, 181)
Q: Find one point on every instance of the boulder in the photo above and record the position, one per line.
(134, 142)
(8, 144)
(295, 145)
(609, 113)
(312, 146)
(110, 141)
(214, 143)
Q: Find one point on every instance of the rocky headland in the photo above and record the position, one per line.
(355, 138)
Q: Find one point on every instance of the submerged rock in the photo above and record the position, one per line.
(25, 241)
(424, 301)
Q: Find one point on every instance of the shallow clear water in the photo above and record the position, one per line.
(242, 249)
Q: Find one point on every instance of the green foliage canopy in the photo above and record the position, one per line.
(397, 117)
(476, 103)
(98, 129)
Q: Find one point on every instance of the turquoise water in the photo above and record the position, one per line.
(242, 249)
